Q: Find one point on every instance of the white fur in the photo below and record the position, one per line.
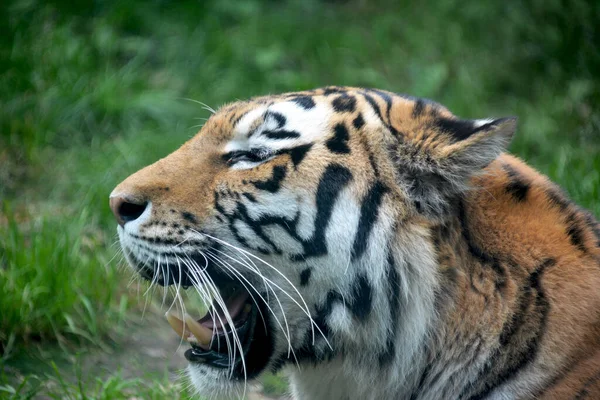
(354, 372)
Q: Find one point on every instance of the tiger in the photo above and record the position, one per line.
(371, 245)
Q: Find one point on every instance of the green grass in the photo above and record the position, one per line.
(49, 280)
(55, 385)
(90, 93)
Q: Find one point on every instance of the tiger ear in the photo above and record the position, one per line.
(435, 165)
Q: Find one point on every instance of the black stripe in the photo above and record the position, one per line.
(500, 275)
(369, 211)
(323, 312)
(189, 217)
(231, 222)
(474, 249)
(256, 226)
(332, 182)
(281, 134)
(298, 153)
(339, 142)
(344, 103)
(362, 298)
(305, 102)
(305, 276)
(279, 118)
(517, 186)
(575, 232)
(393, 298)
(237, 119)
(424, 376)
(388, 101)
(520, 337)
(333, 90)
(557, 197)
(457, 129)
(371, 158)
(272, 184)
(486, 259)
(431, 380)
(418, 108)
(374, 105)
(358, 122)
(556, 380)
(249, 196)
(377, 110)
(217, 205)
(289, 225)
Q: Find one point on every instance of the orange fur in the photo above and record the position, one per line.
(517, 262)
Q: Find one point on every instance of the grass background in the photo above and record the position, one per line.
(92, 91)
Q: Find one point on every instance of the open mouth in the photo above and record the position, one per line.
(233, 334)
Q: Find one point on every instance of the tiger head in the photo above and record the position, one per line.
(302, 220)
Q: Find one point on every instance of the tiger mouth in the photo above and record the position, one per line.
(234, 333)
(219, 338)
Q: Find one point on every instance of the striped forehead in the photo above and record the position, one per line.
(280, 125)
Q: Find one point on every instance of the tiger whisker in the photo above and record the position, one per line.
(204, 105)
(202, 287)
(204, 290)
(207, 280)
(230, 268)
(305, 309)
(255, 270)
(150, 287)
(287, 336)
(164, 269)
(206, 298)
(267, 264)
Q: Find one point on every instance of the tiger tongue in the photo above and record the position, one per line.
(234, 307)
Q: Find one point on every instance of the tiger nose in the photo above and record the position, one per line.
(127, 209)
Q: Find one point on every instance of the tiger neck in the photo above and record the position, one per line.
(420, 340)
(473, 315)
(385, 348)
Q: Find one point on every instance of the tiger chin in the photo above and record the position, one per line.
(374, 246)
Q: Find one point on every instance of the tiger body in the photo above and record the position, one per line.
(407, 255)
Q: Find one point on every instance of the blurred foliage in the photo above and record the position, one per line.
(90, 91)
(76, 386)
(44, 293)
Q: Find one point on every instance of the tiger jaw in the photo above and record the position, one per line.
(236, 333)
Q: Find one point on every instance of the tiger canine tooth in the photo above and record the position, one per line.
(202, 333)
(176, 323)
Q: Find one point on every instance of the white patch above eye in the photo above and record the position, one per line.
(245, 123)
(309, 124)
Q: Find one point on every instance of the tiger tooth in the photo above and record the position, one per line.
(176, 323)
(203, 334)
